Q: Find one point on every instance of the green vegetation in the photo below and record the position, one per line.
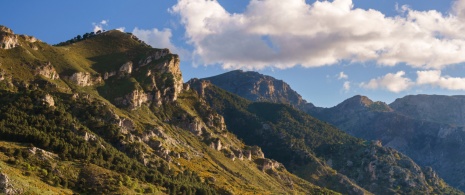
(317, 151)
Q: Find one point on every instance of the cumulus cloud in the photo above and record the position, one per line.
(284, 34)
(391, 82)
(342, 75)
(434, 78)
(159, 39)
(100, 25)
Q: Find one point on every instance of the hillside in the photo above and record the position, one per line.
(319, 152)
(109, 114)
(425, 127)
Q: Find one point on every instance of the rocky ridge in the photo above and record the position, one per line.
(422, 127)
(257, 87)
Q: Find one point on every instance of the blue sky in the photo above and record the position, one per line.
(327, 51)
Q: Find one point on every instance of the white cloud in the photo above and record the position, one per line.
(99, 26)
(391, 82)
(159, 39)
(121, 29)
(284, 34)
(342, 75)
(434, 78)
(346, 86)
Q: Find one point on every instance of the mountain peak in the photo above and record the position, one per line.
(360, 102)
(258, 87)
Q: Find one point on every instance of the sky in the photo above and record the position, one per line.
(327, 51)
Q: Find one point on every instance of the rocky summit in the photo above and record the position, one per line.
(104, 113)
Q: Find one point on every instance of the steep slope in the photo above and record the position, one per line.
(436, 108)
(421, 127)
(429, 143)
(257, 87)
(301, 142)
(108, 114)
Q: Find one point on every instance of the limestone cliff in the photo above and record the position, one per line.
(8, 39)
(84, 79)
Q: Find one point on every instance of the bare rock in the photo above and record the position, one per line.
(126, 68)
(84, 79)
(48, 100)
(8, 39)
(133, 100)
(6, 187)
(47, 71)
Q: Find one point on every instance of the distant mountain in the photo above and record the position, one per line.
(257, 87)
(427, 128)
(437, 108)
(422, 127)
(319, 152)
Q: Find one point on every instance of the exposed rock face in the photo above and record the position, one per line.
(47, 71)
(156, 55)
(6, 187)
(265, 164)
(126, 68)
(437, 108)
(258, 87)
(29, 39)
(171, 67)
(8, 39)
(84, 79)
(199, 86)
(133, 100)
(48, 100)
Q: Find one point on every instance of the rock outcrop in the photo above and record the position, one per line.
(48, 100)
(6, 187)
(126, 68)
(8, 39)
(84, 79)
(48, 71)
(134, 99)
(155, 55)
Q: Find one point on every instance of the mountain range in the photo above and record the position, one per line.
(427, 128)
(104, 113)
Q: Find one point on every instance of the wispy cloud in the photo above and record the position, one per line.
(283, 34)
(346, 86)
(342, 75)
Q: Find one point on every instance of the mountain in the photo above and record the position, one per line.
(317, 151)
(428, 134)
(436, 108)
(104, 113)
(257, 87)
(427, 128)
